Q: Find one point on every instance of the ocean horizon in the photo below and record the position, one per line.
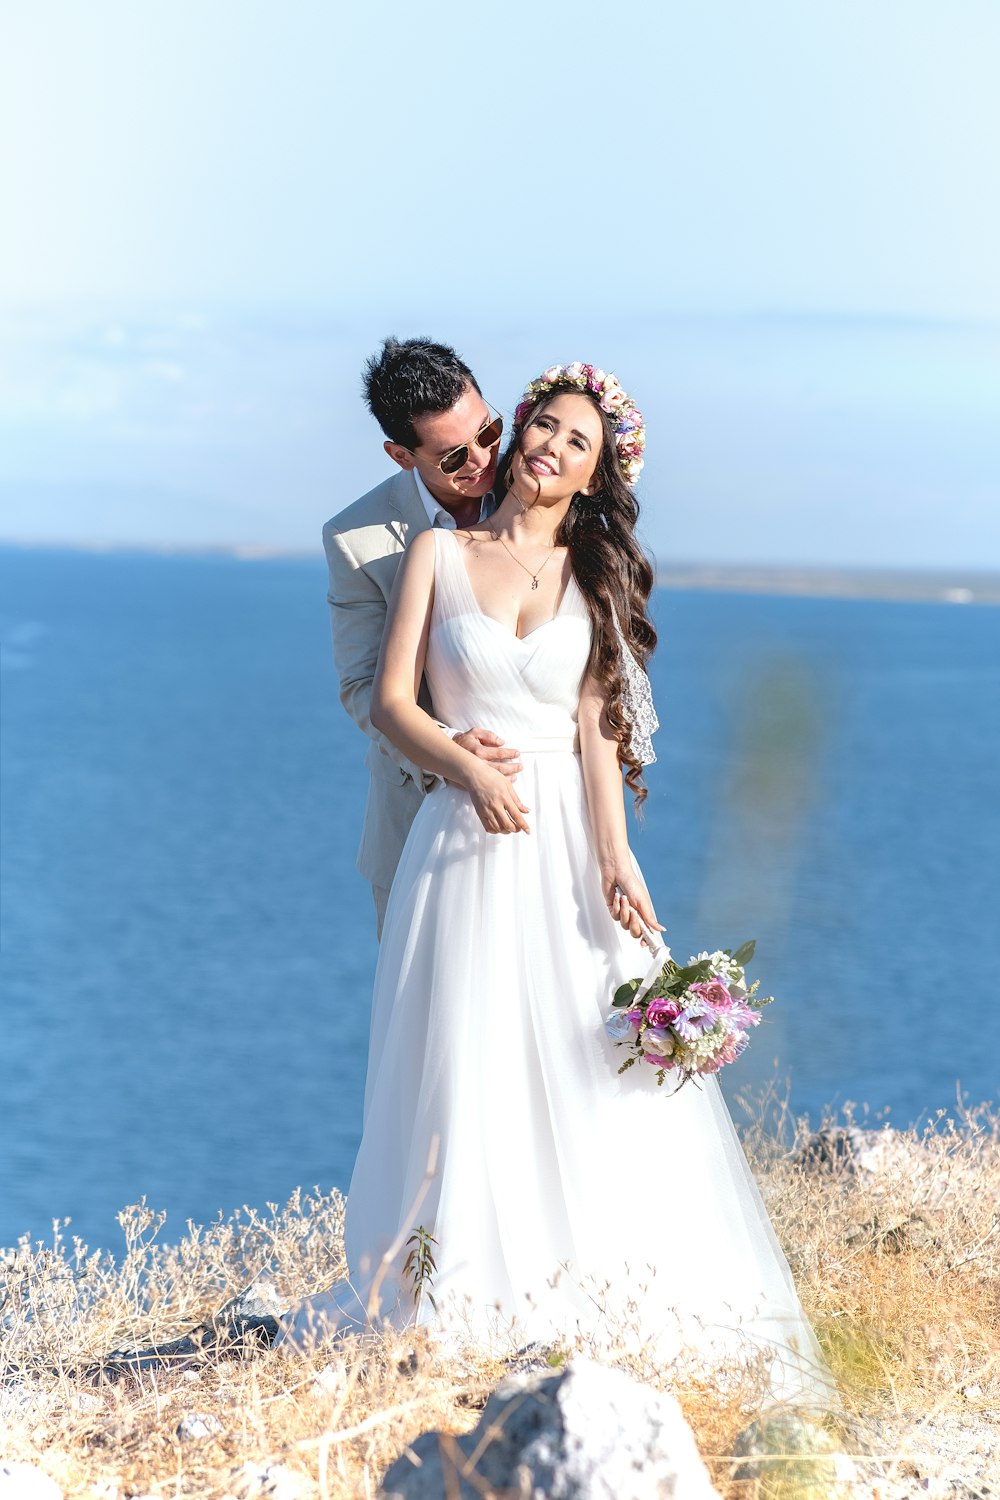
(773, 440)
(947, 586)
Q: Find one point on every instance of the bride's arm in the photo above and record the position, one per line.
(624, 890)
(396, 713)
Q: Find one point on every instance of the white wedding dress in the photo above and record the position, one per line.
(566, 1199)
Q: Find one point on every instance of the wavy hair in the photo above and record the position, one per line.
(415, 378)
(612, 572)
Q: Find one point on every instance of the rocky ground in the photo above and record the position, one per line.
(154, 1376)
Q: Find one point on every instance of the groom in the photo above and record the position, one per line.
(444, 438)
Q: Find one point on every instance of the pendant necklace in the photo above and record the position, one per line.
(533, 576)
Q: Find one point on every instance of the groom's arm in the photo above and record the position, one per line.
(357, 614)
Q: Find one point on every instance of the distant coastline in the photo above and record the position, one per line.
(942, 586)
(902, 585)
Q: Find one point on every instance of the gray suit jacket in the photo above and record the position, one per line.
(364, 544)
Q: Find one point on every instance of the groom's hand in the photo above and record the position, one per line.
(490, 747)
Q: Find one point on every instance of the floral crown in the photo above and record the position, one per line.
(626, 418)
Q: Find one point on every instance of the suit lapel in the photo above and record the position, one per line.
(408, 514)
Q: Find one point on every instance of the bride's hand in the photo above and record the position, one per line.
(627, 898)
(498, 807)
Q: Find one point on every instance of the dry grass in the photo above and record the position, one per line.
(897, 1270)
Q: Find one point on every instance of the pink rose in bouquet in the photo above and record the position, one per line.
(661, 1012)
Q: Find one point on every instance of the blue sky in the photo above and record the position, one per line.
(775, 220)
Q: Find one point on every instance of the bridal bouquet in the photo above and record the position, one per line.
(689, 1020)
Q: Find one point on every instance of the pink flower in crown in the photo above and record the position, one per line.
(551, 375)
(662, 1012)
(575, 371)
(522, 411)
(595, 379)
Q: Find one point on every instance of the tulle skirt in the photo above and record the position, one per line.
(564, 1199)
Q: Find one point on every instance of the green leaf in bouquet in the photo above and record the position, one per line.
(743, 955)
(625, 993)
(626, 1064)
(695, 973)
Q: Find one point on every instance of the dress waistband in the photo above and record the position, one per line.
(540, 744)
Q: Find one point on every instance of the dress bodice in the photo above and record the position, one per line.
(481, 674)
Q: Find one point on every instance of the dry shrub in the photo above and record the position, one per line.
(896, 1268)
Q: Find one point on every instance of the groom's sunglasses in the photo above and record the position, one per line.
(487, 437)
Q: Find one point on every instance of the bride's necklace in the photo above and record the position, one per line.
(533, 576)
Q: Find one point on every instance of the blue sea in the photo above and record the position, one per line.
(187, 950)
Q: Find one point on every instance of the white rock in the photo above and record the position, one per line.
(196, 1425)
(863, 1153)
(86, 1403)
(25, 1403)
(19, 1403)
(329, 1381)
(583, 1433)
(267, 1482)
(25, 1482)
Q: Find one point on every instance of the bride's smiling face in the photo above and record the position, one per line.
(560, 448)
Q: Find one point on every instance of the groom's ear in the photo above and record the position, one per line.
(399, 454)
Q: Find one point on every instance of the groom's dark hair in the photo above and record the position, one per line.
(413, 378)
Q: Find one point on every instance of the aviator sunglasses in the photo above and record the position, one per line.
(487, 437)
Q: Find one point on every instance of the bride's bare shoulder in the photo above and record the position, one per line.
(474, 536)
(422, 545)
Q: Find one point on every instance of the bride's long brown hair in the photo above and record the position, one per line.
(612, 571)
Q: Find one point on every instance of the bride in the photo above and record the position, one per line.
(565, 1199)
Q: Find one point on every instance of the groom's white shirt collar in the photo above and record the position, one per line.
(436, 513)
